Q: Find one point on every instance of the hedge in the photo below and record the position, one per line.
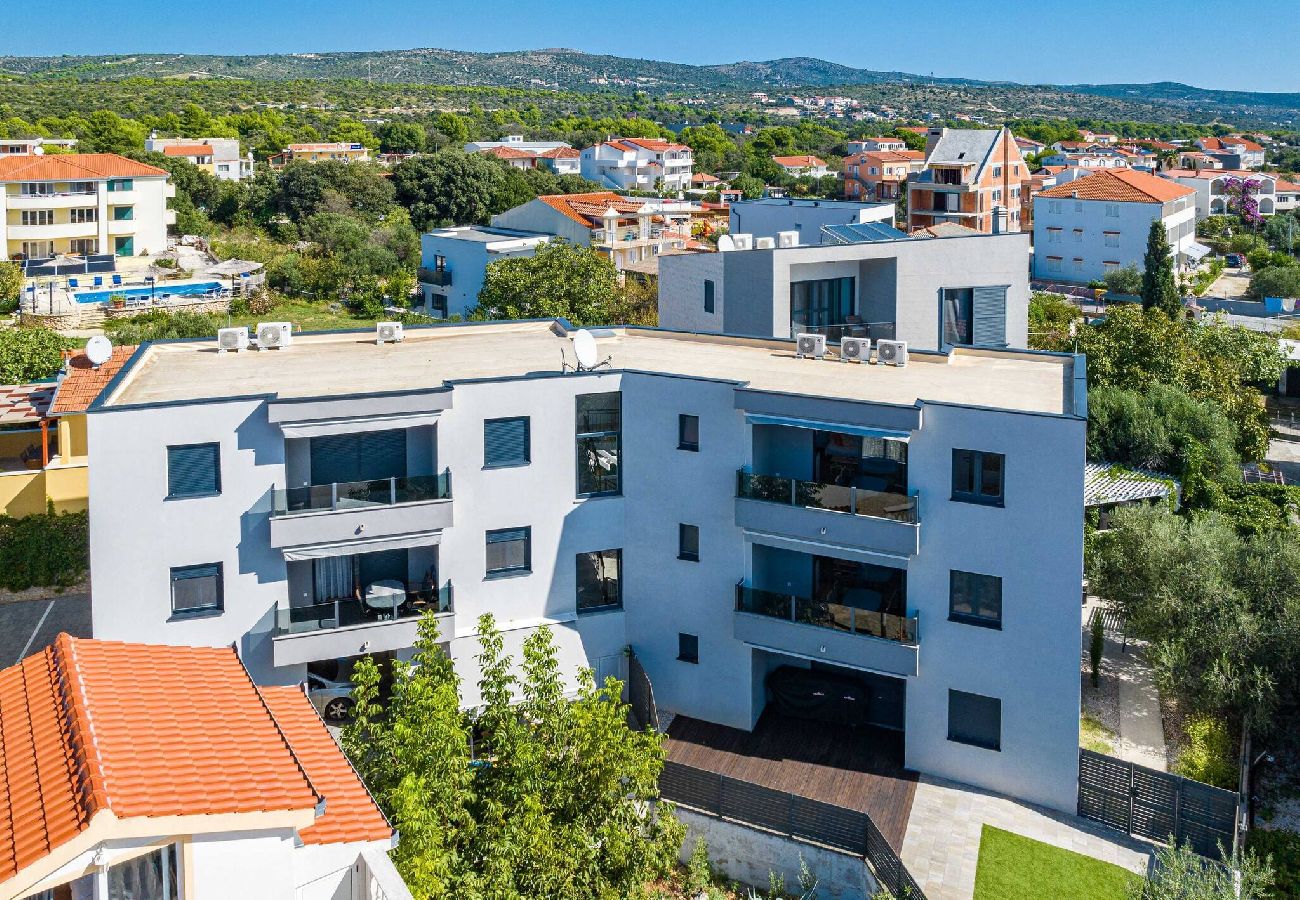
(44, 550)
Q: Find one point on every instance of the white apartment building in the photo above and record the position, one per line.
(802, 166)
(639, 164)
(454, 261)
(85, 204)
(1092, 225)
(28, 146)
(1272, 193)
(715, 504)
(513, 150)
(219, 157)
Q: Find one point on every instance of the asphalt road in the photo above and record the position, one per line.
(31, 625)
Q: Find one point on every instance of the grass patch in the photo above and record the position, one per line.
(1095, 736)
(1012, 867)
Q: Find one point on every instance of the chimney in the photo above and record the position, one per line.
(999, 220)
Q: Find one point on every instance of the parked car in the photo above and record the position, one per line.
(332, 699)
(1236, 260)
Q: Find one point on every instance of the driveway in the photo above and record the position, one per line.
(29, 626)
(1231, 284)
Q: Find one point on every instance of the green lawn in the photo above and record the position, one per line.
(1012, 867)
(310, 315)
(1095, 736)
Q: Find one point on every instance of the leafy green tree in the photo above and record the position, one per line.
(400, 137)
(1275, 281)
(1162, 428)
(1052, 320)
(751, 187)
(350, 131)
(30, 354)
(1180, 873)
(559, 280)
(449, 187)
(453, 126)
(306, 188)
(11, 285)
(1159, 290)
(1124, 280)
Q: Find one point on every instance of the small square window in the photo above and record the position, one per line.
(506, 442)
(193, 470)
(688, 542)
(509, 551)
(975, 720)
(688, 432)
(977, 477)
(688, 648)
(975, 599)
(197, 590)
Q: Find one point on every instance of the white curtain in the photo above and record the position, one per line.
(333, 578)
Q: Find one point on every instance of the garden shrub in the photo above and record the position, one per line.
(1211, 753)
(44, 550)
(1283, 847)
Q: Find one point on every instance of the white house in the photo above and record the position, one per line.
(139, 771)
(454, 261)
(639, 164)
(1236, 151)
(800, 166)
(557, 156)
(1087, 227)
(877, 145)
(28, 146)
(1272, 193)
(219, 157)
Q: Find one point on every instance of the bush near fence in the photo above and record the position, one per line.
(45, 550)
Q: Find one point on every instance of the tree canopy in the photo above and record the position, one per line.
(30, 354)
(1159, 290)
(559, 281)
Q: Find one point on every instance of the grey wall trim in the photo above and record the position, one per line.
(359, 406)
(892, 416)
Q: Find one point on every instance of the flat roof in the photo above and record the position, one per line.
(485, 234)
(344, 363)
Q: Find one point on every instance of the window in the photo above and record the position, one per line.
(509, 550)
(1112, 238)
(1112, 210)
(1078, 235)
(975, 599)
(1053, 235)
(688, 647)
(1078, 206)
(817, 304)
(148, 877)
(977, 476)
(688, 432)
(506, 442)
(83, 216)
(1053, 206)
(123, 213)
(975, 720)
(599, 441)
(440, 263)
(38, 217)
(708, 295)
(1077, 262)
(600, 580)
(36, 189)
(121, 184)
(196, 590)
(38, 249)
(84, 246)
(688, 542)
(193, 470)
(1054, 264)
(997, 171)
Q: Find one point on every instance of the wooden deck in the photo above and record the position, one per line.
(857, 768)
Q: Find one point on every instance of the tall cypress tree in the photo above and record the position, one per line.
(1159, 291)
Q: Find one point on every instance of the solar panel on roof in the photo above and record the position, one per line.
(861, 232)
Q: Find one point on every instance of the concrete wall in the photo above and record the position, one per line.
(537, 216)
(1081, 225)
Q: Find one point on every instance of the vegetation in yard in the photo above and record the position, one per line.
(1052, 319)
(30, 354)
(1012, 867)
(1096, 646)
(1275, 281)
(11, 286)
(44, 550)
(553, 800)
(1211, 753)
(1181, 874)
(1126, 280)
(1206, 276)
(1282, 849)
(1095, 736)
(1159, 289)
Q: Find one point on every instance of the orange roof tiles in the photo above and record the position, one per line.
(657, 145)
(793, 162)
(187, 150)
(507, 153)
(350, 811)
(594, 203)
(74, 167)
(82, 382)
(560, 153)
(1120, 185)
(1211, 143)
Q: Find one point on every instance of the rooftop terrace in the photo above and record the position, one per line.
(335, 364)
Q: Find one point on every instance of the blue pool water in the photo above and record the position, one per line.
(175, 290)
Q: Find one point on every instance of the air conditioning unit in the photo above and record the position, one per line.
(764, 243)
(232, 338)
(787, 239)
(274, 334)
(743, 241)
(810, 345)
(891, 353)
(388, 333)
(855, 349)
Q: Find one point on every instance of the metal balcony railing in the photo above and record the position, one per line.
(826, 614)
(360, 494)
(835, 497)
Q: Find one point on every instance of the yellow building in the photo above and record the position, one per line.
(43, 446)
(344, 152)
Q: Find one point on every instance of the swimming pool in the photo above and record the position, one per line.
(175, 290)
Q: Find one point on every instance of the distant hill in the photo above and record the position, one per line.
(573, 70)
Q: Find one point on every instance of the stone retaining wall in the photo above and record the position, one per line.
(75, 318)
(200, 306)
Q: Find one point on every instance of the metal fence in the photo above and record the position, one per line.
(1156, 805)
(797, 817)
(641, 696)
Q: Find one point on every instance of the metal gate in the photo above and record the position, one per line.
(1156, 805)
(641, 695)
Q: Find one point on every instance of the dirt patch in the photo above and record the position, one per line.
(1172, 718)
(43, 593)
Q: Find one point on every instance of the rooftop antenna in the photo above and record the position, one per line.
(584, 348)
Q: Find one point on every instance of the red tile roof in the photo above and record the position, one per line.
(798, 162)
(1211, 143)
(139, 731)
(507, 153)
(25, 404)
(560, 153)
(82, 382)
(1120, 185)
(187, 150)
(74, 167)
(581, 208)
(657, 145)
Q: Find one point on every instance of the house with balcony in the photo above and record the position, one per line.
(339, 151)
(877, 145)
(125, 779)
(880, 175)
(514, 151)
(806, 166)
(83, 204)
(716, 504)
(1234, 151)
(219, 157)
(1096, 224)
(1211, 189)
(454, 261)
(639, 164)
(969, 173)
(964, 291)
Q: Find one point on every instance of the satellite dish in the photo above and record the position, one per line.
(584, 347)
(725, 243)
(99, 350)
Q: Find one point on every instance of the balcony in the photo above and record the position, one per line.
(56, 200)
(53, 231)
(826, 630)
(361, 510)
(350, 626)
(829, 513)
(439, 277)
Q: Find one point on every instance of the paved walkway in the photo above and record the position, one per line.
(942, 845)
(1141, 733)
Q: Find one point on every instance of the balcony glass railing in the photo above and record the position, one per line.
(348, 611)
(439, 277)
(826, 614)
(876, 331)
(361, 494)
(834, 497)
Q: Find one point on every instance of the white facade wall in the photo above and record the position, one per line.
(1078, 231)
(467, 261)
(639, 170)
(147, 225)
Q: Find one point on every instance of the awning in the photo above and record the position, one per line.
(322, 427)
(362, 545)
(838, 427)
(1197, 251)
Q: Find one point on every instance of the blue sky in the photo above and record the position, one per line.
(1106, 41)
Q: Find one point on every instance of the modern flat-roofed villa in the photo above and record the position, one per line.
(732, 514)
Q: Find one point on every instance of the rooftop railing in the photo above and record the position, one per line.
(818, 495)
(361, 494)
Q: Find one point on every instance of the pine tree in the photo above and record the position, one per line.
(1159, 290)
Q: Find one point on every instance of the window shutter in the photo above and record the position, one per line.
(193, 470)
(989, 328)
(505, 442)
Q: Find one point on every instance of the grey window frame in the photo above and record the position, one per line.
(974, 617)
(682, 642)
(618, 603)
(959, 736)
(528, 443)
(195, 572)
(583, 436)
(682, 442)
(976, 494)
(527, 539)
(683, 529)
(216, 471)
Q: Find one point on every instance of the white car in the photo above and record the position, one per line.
(332, 699)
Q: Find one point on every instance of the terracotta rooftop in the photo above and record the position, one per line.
(25, 404)
(582, 208)
(94, 727)
(82, 382)
(74, 167)
(508, 153)
(657, 145)
(1211, 143)
(794, 162)
(1121, 186)
(187, 150)
(560, 153)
